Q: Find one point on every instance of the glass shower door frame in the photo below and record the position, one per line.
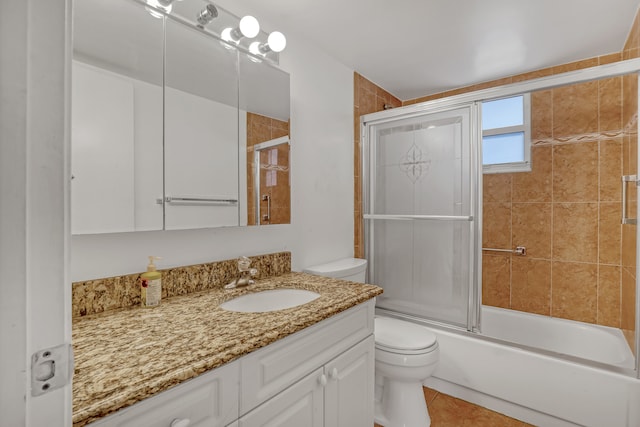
(369, 162)
(579, 76)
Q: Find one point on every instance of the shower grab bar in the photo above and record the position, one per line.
(625, 179)
(215, 200)
(519, 250)
(420, 217)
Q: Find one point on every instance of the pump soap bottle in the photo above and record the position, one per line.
(151, 285)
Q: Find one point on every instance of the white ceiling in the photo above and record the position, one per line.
(414, 48)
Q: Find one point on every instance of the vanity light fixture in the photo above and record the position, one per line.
(276, 42)
(206, 15)
(248, 27)
(164, 5)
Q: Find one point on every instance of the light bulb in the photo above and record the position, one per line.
(255, 48)
(249, 26)
(226, 34)
(277, 41)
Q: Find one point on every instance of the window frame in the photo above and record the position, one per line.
(525, 165)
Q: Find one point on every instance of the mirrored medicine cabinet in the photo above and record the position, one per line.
(171, 128)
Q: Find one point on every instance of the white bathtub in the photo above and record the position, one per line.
(592, 342)
(537, 386)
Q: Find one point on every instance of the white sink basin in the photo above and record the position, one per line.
(275, 299)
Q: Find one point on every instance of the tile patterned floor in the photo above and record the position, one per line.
(447, 411)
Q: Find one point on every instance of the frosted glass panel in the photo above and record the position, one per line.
(423, 267)
(420, 168)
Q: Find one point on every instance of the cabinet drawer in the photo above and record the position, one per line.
(210, 400)
(271, 369)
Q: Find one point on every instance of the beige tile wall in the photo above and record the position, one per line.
(261, 129)
(566, 211)
(581, 262)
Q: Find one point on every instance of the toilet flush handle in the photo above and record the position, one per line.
(333, 374)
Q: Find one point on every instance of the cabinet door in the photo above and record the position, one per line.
(301, 405)
(349, 391)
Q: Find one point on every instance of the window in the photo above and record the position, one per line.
(506, 133)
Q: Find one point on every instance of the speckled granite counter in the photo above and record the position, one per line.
(126, 355)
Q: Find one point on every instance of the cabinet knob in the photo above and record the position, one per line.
(322, 380)
(333, 374)
(180, 422)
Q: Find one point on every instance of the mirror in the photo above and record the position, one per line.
(201, 131)
(116, 118)
(167, 121)
(264, 103)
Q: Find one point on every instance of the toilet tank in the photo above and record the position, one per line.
(353, 269)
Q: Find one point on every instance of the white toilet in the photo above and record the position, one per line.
(406, 355)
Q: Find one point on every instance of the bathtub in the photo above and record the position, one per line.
(600, 344)
(529, 380)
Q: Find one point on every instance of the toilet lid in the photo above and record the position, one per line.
(402, 335)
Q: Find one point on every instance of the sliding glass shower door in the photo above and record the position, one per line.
(420, 216)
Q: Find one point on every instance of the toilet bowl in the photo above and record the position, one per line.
(406, 354)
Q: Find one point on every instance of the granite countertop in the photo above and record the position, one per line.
(124, 356)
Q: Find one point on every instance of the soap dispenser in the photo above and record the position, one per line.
(151, 285)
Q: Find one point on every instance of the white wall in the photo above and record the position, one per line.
(35, 296)
(321, 226)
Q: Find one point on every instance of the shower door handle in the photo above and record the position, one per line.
(625, 180)
(267, 198)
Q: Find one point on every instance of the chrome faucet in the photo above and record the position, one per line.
(245, 276)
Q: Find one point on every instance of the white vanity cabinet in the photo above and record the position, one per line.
(326, 372)
(340, 394)
(321, 376)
